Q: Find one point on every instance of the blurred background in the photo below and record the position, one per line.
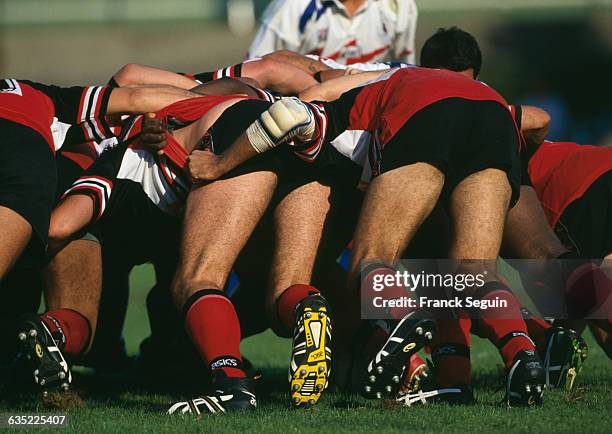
(556, 54)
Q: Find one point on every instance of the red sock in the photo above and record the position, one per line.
(451, 351)
(289, 299)
(504, 326)
(212, 323)
(416, 366)
(69, 328)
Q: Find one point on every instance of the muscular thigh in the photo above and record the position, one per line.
(527, 233)
(218, 221)
(299, 221)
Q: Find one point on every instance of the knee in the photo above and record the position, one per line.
(186, 283)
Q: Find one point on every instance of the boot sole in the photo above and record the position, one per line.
(387, 371)
(310, 379)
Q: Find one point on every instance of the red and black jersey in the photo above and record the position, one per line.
(561, 172)
(387, 104)
(39, 106)
(376, 111)
(163, 178)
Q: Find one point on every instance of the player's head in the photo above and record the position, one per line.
(453, 49)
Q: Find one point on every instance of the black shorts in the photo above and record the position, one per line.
(67, 172)
(330, 167)
(134, 228)
(587, 221)
(28, 177)
(460, 137)
(131, 225)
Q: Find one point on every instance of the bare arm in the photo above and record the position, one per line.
(299, 61)
(206, 166)
(69, 217)
(286, 120)
(278, 76)
(144, 99)
(534, 126)
(332, 89)
(134, 74)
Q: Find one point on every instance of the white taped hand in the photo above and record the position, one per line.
(286, 119)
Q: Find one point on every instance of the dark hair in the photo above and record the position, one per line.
(453, 49)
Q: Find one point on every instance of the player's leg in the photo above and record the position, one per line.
(414, 164)
(488, 178)
(527, 235)
(450, 379)
(299, 221)
(14, 237)
(73, 284)
(295, 306)
(395, 205)
(219, 219)
(27, 188)
(478, 209)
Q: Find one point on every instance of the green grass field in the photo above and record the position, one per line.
(112, 406)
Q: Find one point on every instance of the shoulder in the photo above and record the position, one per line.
(289, 9)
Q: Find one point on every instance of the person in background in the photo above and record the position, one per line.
(347, 31)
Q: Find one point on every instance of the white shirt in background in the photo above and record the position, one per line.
(379, 31)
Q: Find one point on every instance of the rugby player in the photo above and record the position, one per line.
(35, 114)
(209, 251)
(526, 234)
(572, 182)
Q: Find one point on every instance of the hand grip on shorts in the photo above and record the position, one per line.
(286, 119)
